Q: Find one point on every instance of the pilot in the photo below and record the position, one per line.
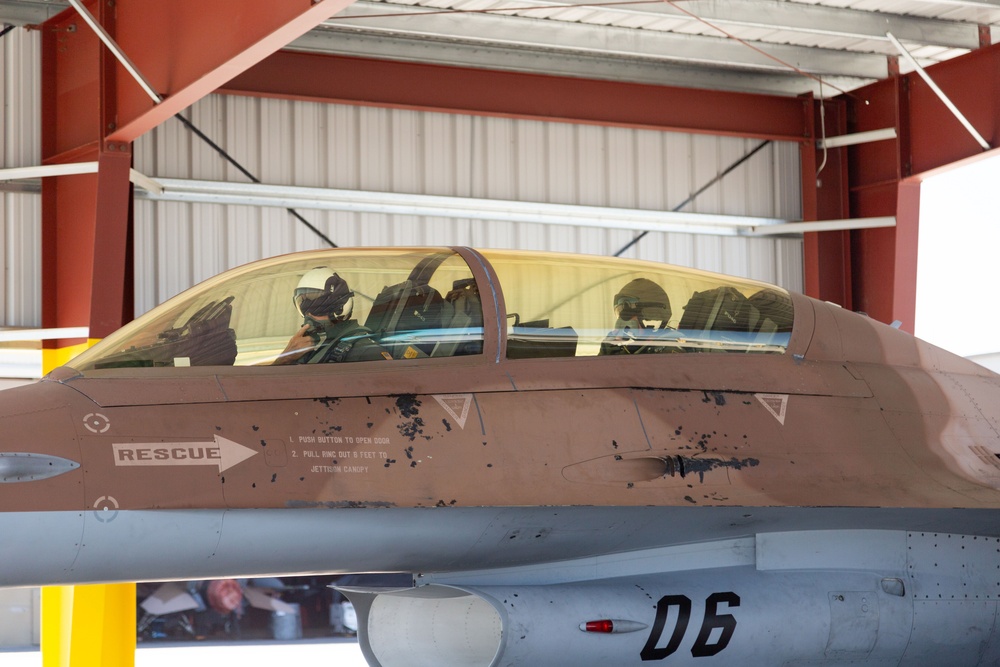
(326, 303)
(642, 310)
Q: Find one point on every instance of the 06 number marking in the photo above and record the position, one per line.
(713, 619)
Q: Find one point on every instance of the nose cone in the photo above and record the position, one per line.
(39, 449)
(41, 484)
(28, 467)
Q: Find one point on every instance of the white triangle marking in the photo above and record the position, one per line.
(776, 404)
(456, 405)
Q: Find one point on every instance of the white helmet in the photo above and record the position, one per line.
(322, 292)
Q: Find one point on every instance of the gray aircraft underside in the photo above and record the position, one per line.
(699, 586)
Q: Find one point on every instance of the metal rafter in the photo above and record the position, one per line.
(766, 14)
(572, 37)
(648, 42)
(581, 64)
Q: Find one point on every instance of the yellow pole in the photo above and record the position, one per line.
(86, 626)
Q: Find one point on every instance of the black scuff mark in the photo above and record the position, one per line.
(409, 453)
(412, 429)
(328, 401)
(717, 396)
(274, 478)
(263, 443)
(329, 431)
(447, 426)
(691, 500)
(336, 504)
(408, 405)
(370, 424)
(688, 465)
(218, 428)
(255, 427)
(614, 444)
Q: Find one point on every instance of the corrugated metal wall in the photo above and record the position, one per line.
(302, 143)
(20, 146)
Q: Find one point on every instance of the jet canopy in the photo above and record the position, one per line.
(432, 303)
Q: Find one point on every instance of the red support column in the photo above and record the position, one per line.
(928, 137)
(78, 106)
(824, 177)
(92, 109)
(112, 275)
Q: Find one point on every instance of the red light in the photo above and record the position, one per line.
(606, 626)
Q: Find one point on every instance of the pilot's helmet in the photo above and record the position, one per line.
(321, 292)
(645, 301)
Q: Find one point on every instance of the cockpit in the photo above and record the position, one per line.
(433, 303)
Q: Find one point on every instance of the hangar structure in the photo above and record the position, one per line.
(266, 127)
(149, 144)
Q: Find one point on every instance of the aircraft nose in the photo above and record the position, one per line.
(41, 484)
(39, 449)
(31, 467)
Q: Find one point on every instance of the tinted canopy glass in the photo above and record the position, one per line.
(393, 303)
(565, 305)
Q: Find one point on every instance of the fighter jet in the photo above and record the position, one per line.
(581, 461)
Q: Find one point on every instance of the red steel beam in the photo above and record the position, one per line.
(75, 105)
(92, 109)
(824, 181)
(188, 48)
(112, 283)
(882, 173)
(364, 81)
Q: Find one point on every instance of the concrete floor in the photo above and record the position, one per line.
(340, 652)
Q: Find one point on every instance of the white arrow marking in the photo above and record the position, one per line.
(220, 452)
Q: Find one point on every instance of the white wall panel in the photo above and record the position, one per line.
(20, 146)
(301, 143)
(367, 148)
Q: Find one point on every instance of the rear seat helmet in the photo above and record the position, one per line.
(323, 293)
(644, 301)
